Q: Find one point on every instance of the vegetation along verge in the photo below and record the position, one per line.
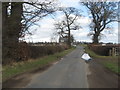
(110, 62)
(24, 66)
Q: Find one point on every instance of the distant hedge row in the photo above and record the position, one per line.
(26, 51)
(39, 51)
(99, 49)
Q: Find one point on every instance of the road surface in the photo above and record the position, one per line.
(101, 77)
(69, 72)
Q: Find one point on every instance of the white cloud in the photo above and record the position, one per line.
(69, 3)
(111, 36)
(44, 32)
(84, 21)
(81, 35)
(46, 29)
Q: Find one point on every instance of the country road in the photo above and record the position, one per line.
(70, 72)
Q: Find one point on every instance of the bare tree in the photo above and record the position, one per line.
(68, 23)
(17, 18)
(61, 29)
(34, 12)
(103, 13)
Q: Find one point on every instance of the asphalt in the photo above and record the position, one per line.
(69, 72)
(101, 77)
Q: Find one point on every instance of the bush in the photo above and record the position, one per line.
(99, 49)
(39, 51)
(25, 52)
(22, 52)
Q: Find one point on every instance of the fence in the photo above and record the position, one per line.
(105, 50)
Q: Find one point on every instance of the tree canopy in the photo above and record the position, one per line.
(67, 24)
(102, 13)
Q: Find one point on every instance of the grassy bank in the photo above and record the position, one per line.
(112, 66)
(110, 62)
(24, 66)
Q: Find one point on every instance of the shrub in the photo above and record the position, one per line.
(99, 49)
(25, 52)
(39, 51)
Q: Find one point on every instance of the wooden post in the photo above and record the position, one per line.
(110, 52)
(113, 51)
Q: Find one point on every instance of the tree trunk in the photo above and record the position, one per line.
(15, 19)
(95, 38)
(11, 29)
(4, 29)
(69, 38)
(15, 27)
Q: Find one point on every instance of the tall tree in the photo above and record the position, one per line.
(103, 13)
(11, 27)
(17, 18)
(68, 23)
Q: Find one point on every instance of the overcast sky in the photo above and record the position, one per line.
(46, 29)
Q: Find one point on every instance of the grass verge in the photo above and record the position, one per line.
(93, 54)
(112, 66)
(110, 62)
(25, 66)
